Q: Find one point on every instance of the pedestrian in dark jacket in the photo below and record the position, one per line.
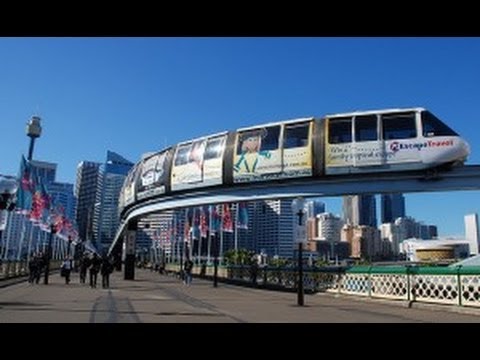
(188, 271)
(94, 269)
(66, 269)
(106, 269)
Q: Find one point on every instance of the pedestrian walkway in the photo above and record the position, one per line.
(159, 298)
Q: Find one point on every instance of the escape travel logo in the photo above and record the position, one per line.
(396, 146)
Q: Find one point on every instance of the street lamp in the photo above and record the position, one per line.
(215, 261)
(53, 230)
(300, 233)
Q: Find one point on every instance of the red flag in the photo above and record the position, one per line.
(203, 223)
(227, 223)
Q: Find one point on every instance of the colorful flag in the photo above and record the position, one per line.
(188, 224)
(196, 223)
(203, 222)
(215, 219)
(242, 218)
(40, 202)
(26, 189)
(227, 223)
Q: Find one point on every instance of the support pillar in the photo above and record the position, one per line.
(129, 239)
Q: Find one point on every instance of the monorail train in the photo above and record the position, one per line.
(340, 144)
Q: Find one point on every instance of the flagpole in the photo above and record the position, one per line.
(236, 229)
(221, 236)
(199, 250)
(29, 248)
(209, 242)
(22, 236)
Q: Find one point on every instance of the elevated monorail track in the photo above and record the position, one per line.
(457, 179)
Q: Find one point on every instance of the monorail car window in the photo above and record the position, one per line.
(261, 139)
(432, 126)
(181, 158)
(296, 135)
(399, 126)
(214, 148)
(340, 130)
(366, 128)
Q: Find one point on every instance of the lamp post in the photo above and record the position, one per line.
(215, 261)
(49, 253)
(69, 245)
(34, 130)
(300, 234)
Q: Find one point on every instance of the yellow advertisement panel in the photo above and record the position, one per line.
(257, 155)
(297, 150)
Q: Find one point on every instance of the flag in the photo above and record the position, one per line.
(227, 223)
(26, 188)
(242, 218)
(203, 222)
(196, 223)
(188, 224)
(215, 220)
(40, 202)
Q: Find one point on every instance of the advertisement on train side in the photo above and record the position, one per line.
(258, 153)
(297, 150)
(198, 163)
(152, 178)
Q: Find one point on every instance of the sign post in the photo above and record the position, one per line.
(300, 234)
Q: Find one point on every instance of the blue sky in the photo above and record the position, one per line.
(134, 95)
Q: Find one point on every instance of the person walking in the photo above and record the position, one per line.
(94, 268)
(84, 264)
(66, 269)
(106, 269)
(32, 269)
(188, 271)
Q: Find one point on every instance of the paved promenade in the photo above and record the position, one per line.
(158, 298)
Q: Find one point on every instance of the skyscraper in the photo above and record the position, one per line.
(314, 207)
(471, 232)
(86, 192)
(360, 210)
(273, 227)
(62, 194)
(392, 207)
(111, 176)
(46, 171)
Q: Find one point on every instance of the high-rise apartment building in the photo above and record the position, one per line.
(46, 171)
(471, 233)
(314, 207)
(392, 207)
(360, 210)
(88, 173)
(110, 180)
